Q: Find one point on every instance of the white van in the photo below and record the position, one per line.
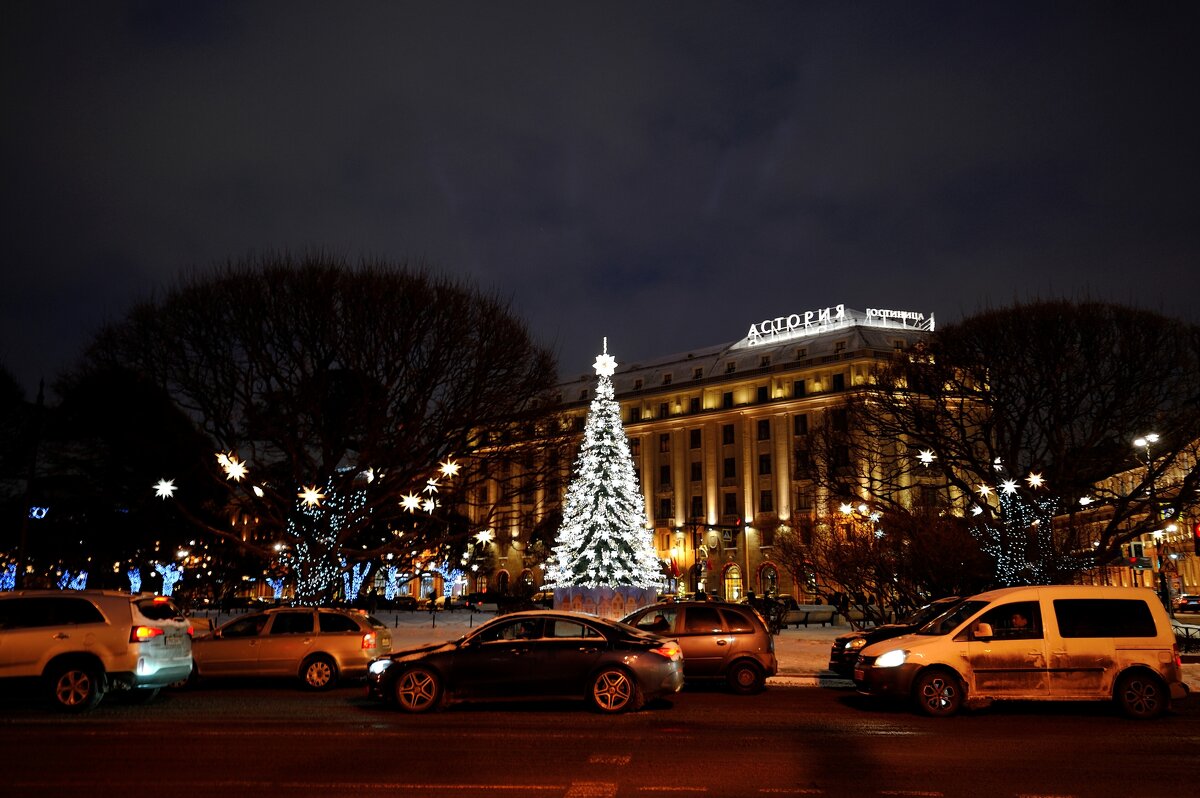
(1053, 643)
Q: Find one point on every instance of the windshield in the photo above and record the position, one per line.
(950, 620)
(923, 615)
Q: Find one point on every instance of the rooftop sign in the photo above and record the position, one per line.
(812, 322)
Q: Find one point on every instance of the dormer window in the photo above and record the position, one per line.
(666, 379)
(731, 367)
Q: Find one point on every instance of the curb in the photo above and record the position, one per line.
(807, 680)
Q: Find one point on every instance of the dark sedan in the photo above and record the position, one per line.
(533, 655)
(846, 647)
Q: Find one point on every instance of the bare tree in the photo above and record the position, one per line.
(362, 388)
(1024, 416)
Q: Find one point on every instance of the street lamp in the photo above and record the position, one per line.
(1146, 442)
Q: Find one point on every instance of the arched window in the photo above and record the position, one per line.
(502, 583)
(733, 583)
(768, 579)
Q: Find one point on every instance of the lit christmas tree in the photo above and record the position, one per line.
(605, 539)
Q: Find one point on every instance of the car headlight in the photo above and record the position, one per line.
(379, 666)
(855, 644)
(891, 659)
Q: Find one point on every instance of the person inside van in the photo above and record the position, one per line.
(1019, 621)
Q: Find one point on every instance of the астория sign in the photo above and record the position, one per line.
(815, 321)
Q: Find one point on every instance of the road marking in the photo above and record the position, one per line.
(672, 789)
(609, 759)
(915, 793)
(792, 791)
(592, 789)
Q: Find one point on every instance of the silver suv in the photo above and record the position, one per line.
(720, 640)
(83, 644)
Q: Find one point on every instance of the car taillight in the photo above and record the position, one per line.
(1178, 659)
(669, 650)
(140, 634)
(368, 641)
(191, 631)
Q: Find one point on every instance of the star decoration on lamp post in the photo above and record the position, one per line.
(1008, 486)
(165, 488)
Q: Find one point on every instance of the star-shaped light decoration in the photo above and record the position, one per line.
(164, 488)
(1084, 501)
(1008, 486)
(984, 490)
(429, 505)
(449, 468)
(1035, 480)
(997, 464)
(411, 503)
(977, 510)
(846, 509)
(606, 364)
(311, 496)
(236, 470)
(258, 491)
(926, 457)
(431, 486)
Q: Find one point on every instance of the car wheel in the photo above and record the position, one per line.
(938, 693)
(745, 678)
(319, 672)
(76, 687)
(613, 690)
(1141, 695)
(417, 690)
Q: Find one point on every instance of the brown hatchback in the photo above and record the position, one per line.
(720, 640)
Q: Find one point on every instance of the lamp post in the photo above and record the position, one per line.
(1145, 442)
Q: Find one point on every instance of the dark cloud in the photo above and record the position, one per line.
(661, 173)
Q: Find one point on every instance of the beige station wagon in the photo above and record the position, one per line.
(720, 640)
(318, 646)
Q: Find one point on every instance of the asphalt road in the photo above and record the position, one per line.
(265, 740)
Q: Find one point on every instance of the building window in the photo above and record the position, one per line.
(635, 446)
(800, 424)
(697, 472)
(733, 583)
(839, 382)
(693, 439)
(898, 346)
(666, 379)
(763, 394)
(838, 420)
(806, 499)
(731, 503)
(635, 414)
(664, 442)
(664, 510)
(664, 475)
(730, 467)
(841, 456)
(804, 464)
(801, 353)
(662, 410)
(727, 434)
(731, 367)
(839, 346)
(637, 385)
(766, 503)
(694, 404)
(697, 507)
(764, 464)
(764, 429)
(727, 400)
(798, 389)
(764, 361)
(697, 373)
(583, 395)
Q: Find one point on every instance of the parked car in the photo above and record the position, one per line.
(319, 646)
(1188, 602)
(83, 644)
(845, 648)
(1058, 642)
(720, 640)
(538, 654)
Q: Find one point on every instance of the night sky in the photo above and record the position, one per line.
(661, 173)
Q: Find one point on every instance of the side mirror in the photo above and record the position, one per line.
(983, 631)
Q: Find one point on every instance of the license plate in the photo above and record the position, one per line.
(174, 641)
(858, 674)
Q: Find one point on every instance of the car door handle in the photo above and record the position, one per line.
(722, 642)
(62, 636)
